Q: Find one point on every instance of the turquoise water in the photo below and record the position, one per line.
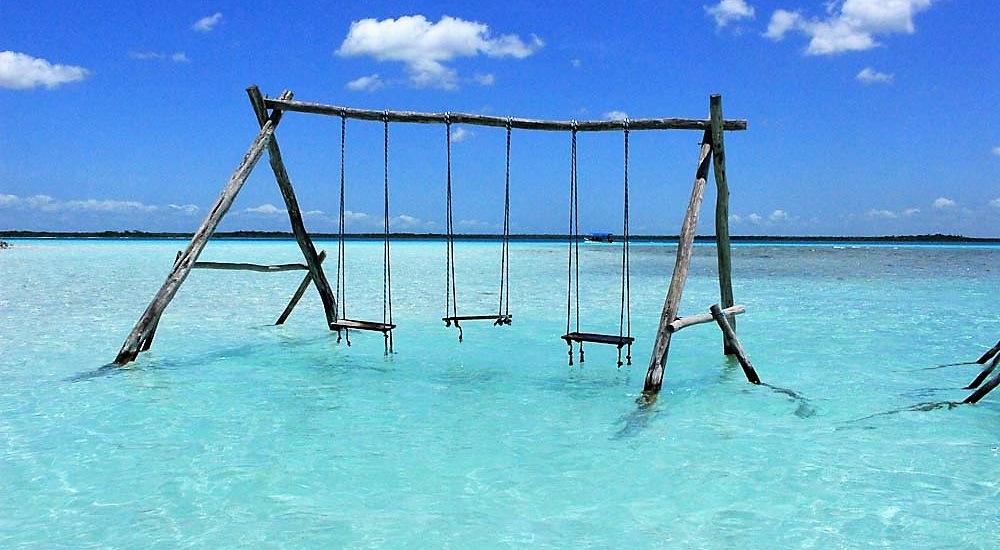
(232, 432)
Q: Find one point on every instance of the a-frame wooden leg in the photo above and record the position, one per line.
(142, 334)
(294, 214)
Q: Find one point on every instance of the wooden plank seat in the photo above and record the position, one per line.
(361, 325)
(498, 320)
(595, 338)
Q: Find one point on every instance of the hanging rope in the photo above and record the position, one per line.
(503, 311)
(341, 257)
(387, 268)
(625, 317)
(573, 262)
(450, 295)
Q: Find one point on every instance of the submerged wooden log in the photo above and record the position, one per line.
(701, 318)
(985, 372)
(141, 335)
(499, 122)
(988, 386)
(989, 354)
(294, 214)
(685, 244)
(299, 292)
(730, 335)
(722, 246)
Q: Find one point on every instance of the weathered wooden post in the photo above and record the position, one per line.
(722, 214)
(685, 244)
(989, 354)
(733, 342)
(142, 334)
(294, 214)
(988, 386)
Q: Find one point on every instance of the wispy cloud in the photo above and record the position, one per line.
(207, 23)
(892, 214)
(943, 203)
(20, 71)
(460, 134)
(368, 83)
(729, 11)
(615, 115)
(265, 209)
(176, 57)
(869, 75)
(995, 203)
(849, 25)
(424, 47)
(996, 151)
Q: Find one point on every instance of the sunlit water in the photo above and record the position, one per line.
(232, 432)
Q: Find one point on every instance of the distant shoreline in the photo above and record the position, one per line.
(280, 235)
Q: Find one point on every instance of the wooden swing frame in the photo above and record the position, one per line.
(269, 112)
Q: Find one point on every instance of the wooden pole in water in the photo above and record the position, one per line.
(298, 293)
(989, 354)
(988, 386)
(732, 341)
(722, 245)
(294, 214)
(982, 375)
(141, 335)
(685, 244)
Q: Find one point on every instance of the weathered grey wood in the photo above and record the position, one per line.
(989, 354)
(141, 335)
(701, 318)
(985, 372)
(685, 244)
(988, 386)
(295, 215)
(734, 343)
(722, 246)
(500, 122)
(299, 292)
(235, 266)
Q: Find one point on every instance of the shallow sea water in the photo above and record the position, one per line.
(232, 432)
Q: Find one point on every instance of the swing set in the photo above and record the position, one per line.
(271, 111)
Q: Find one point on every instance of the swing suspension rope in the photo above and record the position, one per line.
(625, 317)
(451, 315)
(624, 338)
(386, 265)
(503, 310)
(344, 323)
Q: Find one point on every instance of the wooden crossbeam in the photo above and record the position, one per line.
(233, 266)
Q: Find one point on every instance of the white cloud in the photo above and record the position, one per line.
(942, 203)
(778, 216)
(755, 218)
(176, 57)
(20, 71)
(485, 79)
(368, 83)
(266, 209)
(891, 215)
(207, 23)
(869, 75)
(460, 134)
(995, 203)
(424, 47)
(45, 203)
(996, 151)
(183, 208)
(576, 63)
(849, 25)
(728, 11)
(615, 115)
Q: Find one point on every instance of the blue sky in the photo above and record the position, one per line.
(866, 117)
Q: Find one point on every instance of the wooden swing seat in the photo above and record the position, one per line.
(497, 319)
(613, 339)
(361, 325)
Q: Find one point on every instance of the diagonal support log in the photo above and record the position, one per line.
(142, 334)
(294, 214)
(685, 244)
